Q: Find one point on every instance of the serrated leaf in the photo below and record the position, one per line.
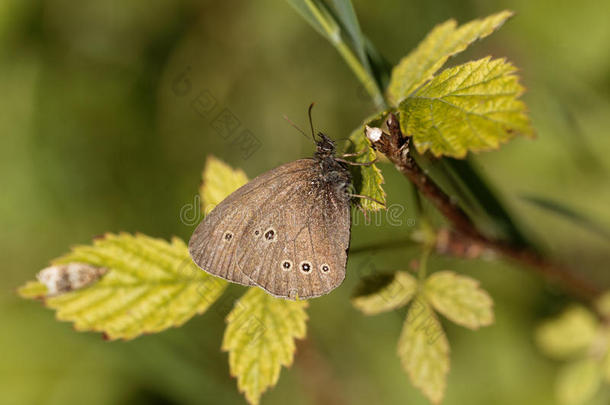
(150, 285)
(394, 291)
(444, 41)
(460, 299)
(260, 340)
(367, 180)
(424, 351)
(33, 290)
(569, 334)
(578, 382)
(261, 329)
(219, 180)
(471, 107)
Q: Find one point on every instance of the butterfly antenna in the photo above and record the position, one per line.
(311, 121)
(295, 126)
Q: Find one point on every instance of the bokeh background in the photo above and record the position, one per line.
(96, 138)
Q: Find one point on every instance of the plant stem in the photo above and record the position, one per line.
(423, 263)
(396, 147)
(333, 32)
(467, 240)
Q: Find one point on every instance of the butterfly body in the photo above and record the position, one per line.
(286, 231)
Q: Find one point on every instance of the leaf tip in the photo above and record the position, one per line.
(32, 290)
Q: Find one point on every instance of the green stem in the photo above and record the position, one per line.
(419, 206)
(333, 31)
(423, 263)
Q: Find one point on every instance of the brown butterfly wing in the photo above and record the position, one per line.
(305, 223)
(211, 248)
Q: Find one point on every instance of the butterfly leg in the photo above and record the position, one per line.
(366, 197)
(372, 162)
(360, 152)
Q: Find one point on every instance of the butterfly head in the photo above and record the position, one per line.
(325, 147)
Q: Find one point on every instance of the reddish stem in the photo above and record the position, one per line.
(397, 149)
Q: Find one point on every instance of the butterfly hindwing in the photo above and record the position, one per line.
(295, 246)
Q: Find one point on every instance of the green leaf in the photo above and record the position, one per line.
(578, 382)
(261, 329)
(568, 335)
(444, 41)
(219, 180)
(32, 290)
(304, 10)
(150, 285)
(385, 292)
(346, 15)
(460, 299)
(377, 67)
(424, 351)
(471, 107)
(568, 213)
(333, 24)
(367, 180)
(380, 66)
(260, 339)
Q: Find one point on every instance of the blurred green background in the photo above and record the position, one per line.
(96, 137)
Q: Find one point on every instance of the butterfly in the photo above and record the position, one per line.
(287, 231)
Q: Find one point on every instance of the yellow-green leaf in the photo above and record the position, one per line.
(570, 334)
(578, 382)
(219, 180)
(385, 293)
(471, 107)
(424, 351)
(444, 41)
(460, 299)
(32, 289)
(261, 329)
(150, 285)
(367, 180)
(260, 340)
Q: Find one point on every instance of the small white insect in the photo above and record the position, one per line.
(64, 278)
(374, 134)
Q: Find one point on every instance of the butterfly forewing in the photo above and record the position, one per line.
(212, 246)
(214, 242)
